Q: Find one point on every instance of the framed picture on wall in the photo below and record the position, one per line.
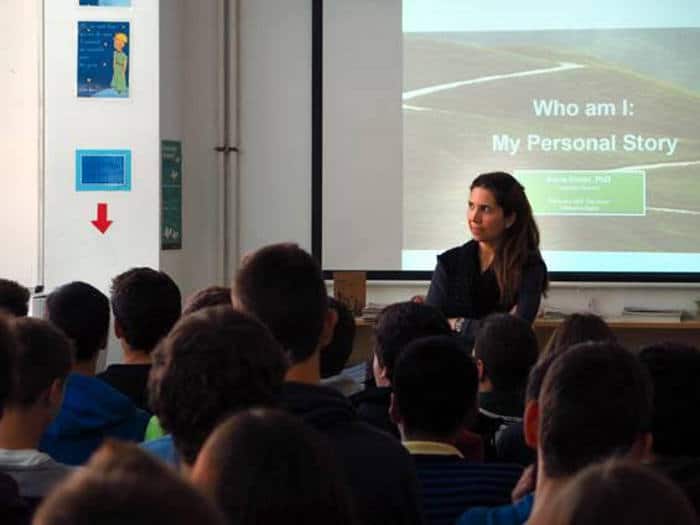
(103, 59)
(105, 3)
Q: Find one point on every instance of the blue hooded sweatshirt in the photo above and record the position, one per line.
(92, 410)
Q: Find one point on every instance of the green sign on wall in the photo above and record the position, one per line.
(562, 192)
(171, 195)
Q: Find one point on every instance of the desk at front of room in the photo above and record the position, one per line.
(632, 334)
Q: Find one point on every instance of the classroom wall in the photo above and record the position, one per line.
(20, 139)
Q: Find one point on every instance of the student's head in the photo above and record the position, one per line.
(505, 349)
(214, 362)
(123, 484)
(283, 286)
(7, 351)
(675, 373)
(336, 353)
(146, 305)
(81, 311)
(618, 493)
(399, 324)
(595, 402)
(499, 213)
(435, 387)
(211, 296)
(266, 466)
(14, 298)
(41, 361)
(579, 328)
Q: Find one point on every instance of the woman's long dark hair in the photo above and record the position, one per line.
(520, 240)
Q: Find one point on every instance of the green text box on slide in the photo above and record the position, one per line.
(569, 192)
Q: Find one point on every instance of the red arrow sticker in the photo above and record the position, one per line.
(102, 223)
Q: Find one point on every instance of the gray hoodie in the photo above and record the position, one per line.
(35, 472)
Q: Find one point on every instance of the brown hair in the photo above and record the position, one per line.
(123, 484)
(266, 466)
(579, 328)
(520, 241)
(619, 493)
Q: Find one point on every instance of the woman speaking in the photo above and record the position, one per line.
(501, 268)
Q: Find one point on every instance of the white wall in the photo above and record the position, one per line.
(190, 112)
(74, 248)
(20, 139)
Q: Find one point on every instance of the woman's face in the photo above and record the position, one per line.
(485, 217)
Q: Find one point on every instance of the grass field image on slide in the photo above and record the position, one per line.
(601, 126)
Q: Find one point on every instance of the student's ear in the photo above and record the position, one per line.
(643, 448)
(329, 323)
(394, 412)
(118, 330)
(54, 394)
(480, 369)
(531, 424)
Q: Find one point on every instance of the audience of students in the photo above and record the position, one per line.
(92, 410)
(124, 485)
(39, 365)
(618, 493)
(213, 363)
(146, 304)
(283, 286)
(265, 427)
(335, 354)
(505, 350)
(595, 402)
(435, 393)
(14, 299)
(397, 325)
(266, 466)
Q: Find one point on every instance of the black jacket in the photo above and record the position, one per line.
(379, 471)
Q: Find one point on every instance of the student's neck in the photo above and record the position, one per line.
(21, 429)
(308, 372)
(546, 489)
(86, 368)
(136, 357)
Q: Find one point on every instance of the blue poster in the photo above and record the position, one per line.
(103, 170)
(103, 59)
(107, 3)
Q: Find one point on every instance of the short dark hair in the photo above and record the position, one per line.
(435, 386)
(579, 328)
(146, 303)
(214, 362)
(507, 347)
(400, 323)
(14, 298)
(620, 492)
(82, 312)
(42, 354)
(123, 484)
(595, 402)
(674, 369)
(336, 354)
(268, 465)
(7, 351)
(211, 296)
(283, 286)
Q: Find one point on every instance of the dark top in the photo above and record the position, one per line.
(13, 509)
(379, 471)
(451, 485)
(460, 289)
(372, 405)
(130, 380)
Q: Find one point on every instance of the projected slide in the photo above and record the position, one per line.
(593, 106)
